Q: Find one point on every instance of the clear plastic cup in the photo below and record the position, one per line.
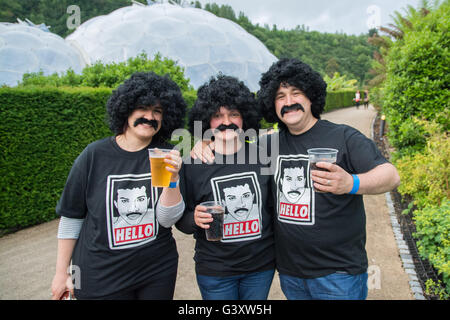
(217, 211)
(160, 175)
(321, 155)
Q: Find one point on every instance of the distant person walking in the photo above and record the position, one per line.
(366, 99)
(357, 99)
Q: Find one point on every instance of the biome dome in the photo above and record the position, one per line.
(26, 48)
(199, 41)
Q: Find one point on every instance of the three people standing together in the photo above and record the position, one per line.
(319, 255)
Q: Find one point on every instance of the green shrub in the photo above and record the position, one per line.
(339, 82)
(425, 175)
(418, 74)
(376, 97)
(417, 77)
(111, 75)
(42, 132)
(435, 289)
(68, 79)
(433, 231)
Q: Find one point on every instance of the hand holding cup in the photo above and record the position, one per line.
(174, 161)
(164, 166)
(321, 161)
(209, 215)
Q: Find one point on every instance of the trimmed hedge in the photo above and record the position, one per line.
(42, 131)
(339, 99)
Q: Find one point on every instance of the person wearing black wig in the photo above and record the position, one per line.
(320, 241)
(241, 265)
(321, 255)
(116, 227)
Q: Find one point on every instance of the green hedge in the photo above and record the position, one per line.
(41, 133)
(339, 99)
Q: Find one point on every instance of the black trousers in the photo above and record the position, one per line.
(161, 288)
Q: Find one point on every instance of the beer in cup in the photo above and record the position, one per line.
(321, 155)
(217, 211)
(160, 176)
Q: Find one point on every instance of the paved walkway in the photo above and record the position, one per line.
(27, 257)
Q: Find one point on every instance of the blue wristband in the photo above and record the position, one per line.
(355, 184)
(174, 184)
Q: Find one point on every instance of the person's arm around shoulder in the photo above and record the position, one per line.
(382, 178)
(203, 150)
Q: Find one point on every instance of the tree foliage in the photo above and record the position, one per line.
(113, 74)
(417, 78)
(326, 52)
(338, 82)
(54, 12)
(414, 94)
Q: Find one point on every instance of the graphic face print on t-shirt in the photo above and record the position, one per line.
(132, 205)
(295, 196)
(130, 210)
(293, 183)
(241, 195)
(239, 201)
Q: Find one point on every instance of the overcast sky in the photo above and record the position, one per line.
(347, 16)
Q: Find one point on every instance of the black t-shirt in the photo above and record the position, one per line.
(248, 244)
(121, 245)
(317, 234)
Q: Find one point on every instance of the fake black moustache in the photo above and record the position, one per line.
(296, 106)
(152, 123)
(223, 127)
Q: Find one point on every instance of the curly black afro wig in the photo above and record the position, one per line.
(295, 73)
(144, 89)
(228, 92)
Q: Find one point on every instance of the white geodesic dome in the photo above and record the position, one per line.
(199, 41)
(25, 48)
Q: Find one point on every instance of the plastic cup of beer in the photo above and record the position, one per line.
(217, 211)
(160, 175)
(321, 155)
